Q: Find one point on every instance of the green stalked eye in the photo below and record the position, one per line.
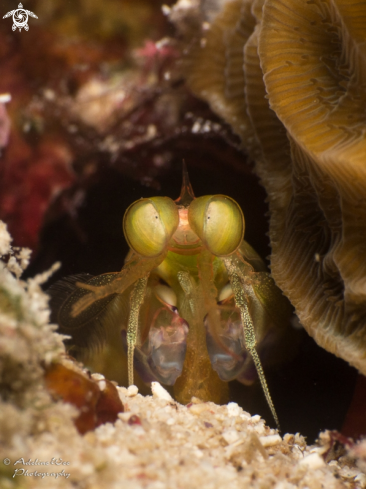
(148, 225)
(219, 223)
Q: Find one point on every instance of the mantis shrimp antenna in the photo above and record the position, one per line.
(136, 300)
(241, 302)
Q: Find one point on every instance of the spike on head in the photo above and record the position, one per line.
(186, 193)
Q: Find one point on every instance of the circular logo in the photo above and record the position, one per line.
(6, 461)
(20, 18)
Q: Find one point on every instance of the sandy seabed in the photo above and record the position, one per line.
(158, 443)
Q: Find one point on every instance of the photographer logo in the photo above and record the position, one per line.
(20, 18)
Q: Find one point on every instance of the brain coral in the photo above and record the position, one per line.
(289, 76)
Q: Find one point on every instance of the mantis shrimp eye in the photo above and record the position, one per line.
(219, 222)
(148, 225)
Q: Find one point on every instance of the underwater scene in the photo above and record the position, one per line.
(182, 244)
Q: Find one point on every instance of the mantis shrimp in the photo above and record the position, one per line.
(193, 303)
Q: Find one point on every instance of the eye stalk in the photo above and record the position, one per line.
(148, 225)
(219, 222)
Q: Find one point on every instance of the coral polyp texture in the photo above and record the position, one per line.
(289, 76)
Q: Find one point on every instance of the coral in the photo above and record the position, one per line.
(289, 77)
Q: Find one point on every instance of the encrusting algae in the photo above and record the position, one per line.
(154, 443)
